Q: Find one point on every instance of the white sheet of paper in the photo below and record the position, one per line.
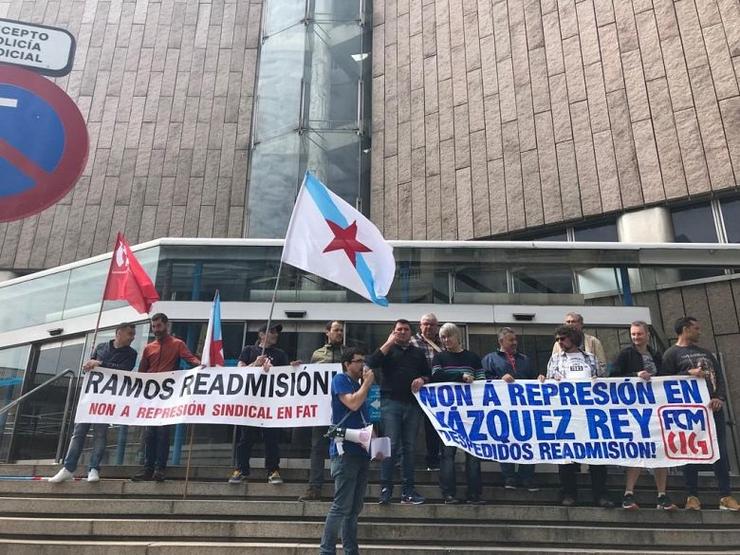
(380, 448)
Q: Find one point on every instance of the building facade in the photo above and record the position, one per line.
(443, 120)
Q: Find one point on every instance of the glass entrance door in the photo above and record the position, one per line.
(38, 423)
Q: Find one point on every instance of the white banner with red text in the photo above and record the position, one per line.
(622, 421)
(284, 397)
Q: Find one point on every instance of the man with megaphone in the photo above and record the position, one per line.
(349, 450)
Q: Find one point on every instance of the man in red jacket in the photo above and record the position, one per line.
(161, 355)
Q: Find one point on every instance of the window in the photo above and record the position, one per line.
(601, 233)
(694, 224)
(731, 219)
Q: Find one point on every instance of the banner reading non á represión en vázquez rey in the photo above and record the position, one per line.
(658, 423)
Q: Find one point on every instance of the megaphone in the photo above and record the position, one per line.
(363, 436)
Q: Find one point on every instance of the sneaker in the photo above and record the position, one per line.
(237, 477)
(530, 486)
(729, 503)
(475, 501)
(568, 501)
(412, 498)
(274, 478)
(145, 475)
(93, 475)
(451, 500)
(385, 496)
(693, 503)
(629, 503)
(605, 503)
(158, 475)
(312, 494)
(665, 503)
(62, 476)
(510, 483)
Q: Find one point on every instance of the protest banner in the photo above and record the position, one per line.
(659, 423)
(284, 397)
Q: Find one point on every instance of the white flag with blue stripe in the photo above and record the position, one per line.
(329, 238)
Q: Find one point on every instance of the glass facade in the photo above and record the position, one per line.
(62, 295)
(312, 109)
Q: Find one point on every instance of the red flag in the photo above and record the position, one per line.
(127, 279)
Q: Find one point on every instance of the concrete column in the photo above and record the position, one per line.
(6, 275)
(651, 225)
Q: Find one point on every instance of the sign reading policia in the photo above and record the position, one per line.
(43, 136)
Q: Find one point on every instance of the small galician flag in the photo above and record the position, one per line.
(329, 238)
(213, 348)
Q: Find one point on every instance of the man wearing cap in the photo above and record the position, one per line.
(252, 355)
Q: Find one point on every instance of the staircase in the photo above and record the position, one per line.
(119, 516)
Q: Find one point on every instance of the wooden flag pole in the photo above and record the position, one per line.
(187, 467)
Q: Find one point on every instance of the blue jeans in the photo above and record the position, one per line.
(401, 424)
(721, 467)
(156, 447)
(447, 480)
(78, 442)
(523, 476)
(350, 484)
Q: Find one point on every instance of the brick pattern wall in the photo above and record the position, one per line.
(166, 89)
(492, 116)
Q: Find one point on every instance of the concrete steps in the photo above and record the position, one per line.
(120, 516)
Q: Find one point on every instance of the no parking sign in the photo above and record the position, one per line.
(43, 143)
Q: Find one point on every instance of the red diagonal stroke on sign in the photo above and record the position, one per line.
(22, 163)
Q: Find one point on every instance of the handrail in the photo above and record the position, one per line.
(9, 406)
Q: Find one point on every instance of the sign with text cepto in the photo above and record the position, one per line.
(47, 50)
(284, 397)
(630, 422)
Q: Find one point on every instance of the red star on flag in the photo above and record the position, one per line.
(346, 239)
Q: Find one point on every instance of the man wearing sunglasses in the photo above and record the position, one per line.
(573, 363)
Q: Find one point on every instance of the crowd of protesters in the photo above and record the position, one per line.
(403, 364)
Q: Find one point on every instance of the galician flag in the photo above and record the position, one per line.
(329, 238)
(213, 348)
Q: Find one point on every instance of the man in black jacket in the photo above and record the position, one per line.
(640, 360)
(688, 359)
(404, 369)
(117, 354)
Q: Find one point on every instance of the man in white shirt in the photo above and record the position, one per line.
(573, 363)
(589, 343)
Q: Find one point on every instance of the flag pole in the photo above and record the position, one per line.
(187, 467)
(272, 302)
(78, 376)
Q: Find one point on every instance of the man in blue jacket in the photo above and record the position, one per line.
(508, 364)
(117, 354)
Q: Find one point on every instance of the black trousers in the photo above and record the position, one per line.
(569, 480)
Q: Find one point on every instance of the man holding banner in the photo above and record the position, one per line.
(264, 354)
(509, 365)
(572, 363)
(641, 361)
(349, 410)
(687, 358)
(161, 355)
(116, 353)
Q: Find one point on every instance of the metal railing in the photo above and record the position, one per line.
(72, 381)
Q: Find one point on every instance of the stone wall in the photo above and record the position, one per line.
(491, 116)
(166, 89)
